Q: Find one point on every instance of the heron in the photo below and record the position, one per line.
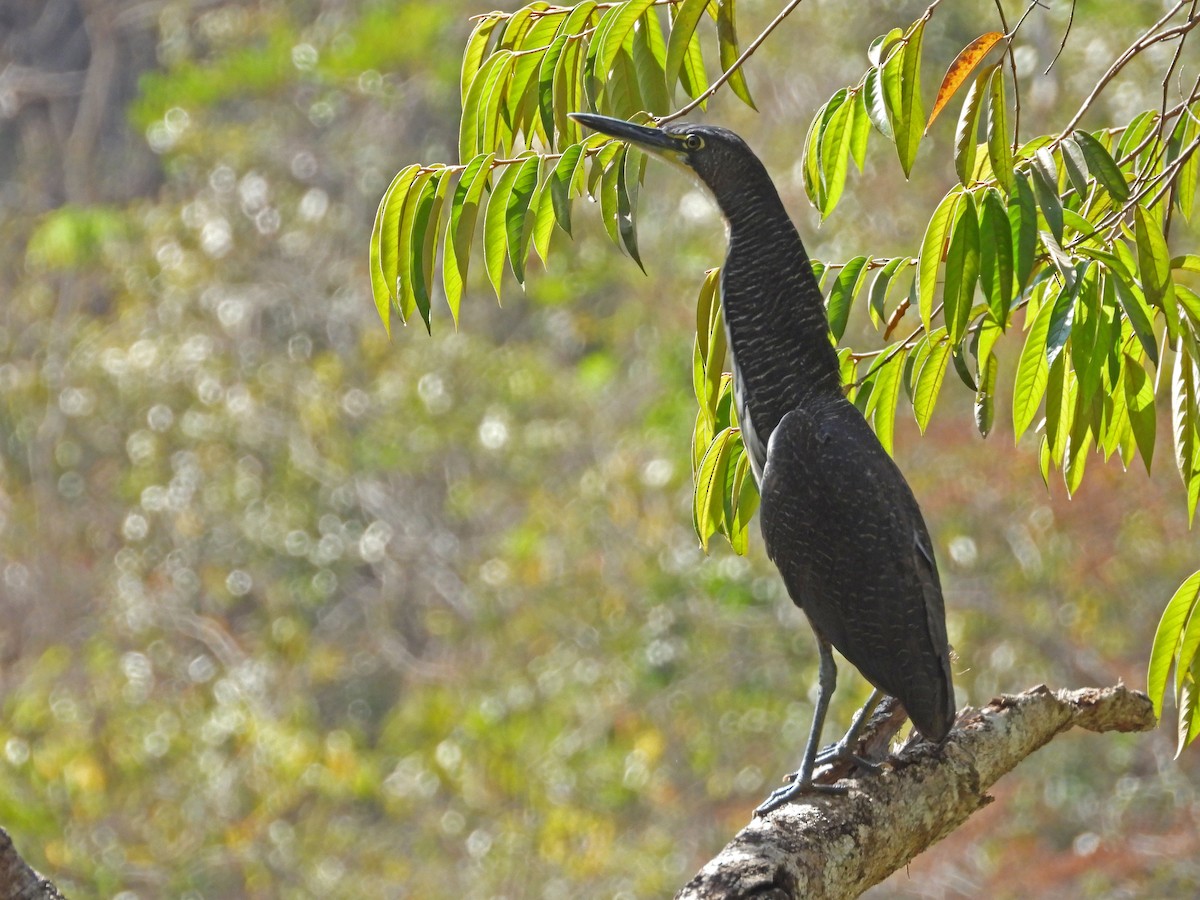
(837, 516)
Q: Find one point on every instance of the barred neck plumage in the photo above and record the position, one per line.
(774, 312)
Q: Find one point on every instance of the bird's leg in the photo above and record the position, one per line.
(802, 781)
(842, 749)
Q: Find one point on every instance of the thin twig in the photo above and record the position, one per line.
(737, 64)
(1066, 34)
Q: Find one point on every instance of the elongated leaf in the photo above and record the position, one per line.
(1136, 311)
(1154, 264)
(875, 103)
(614, 37)
(708, 502)
(561, 180)
(1184, 416)
(842, 294)
(932, 246)
(728, 45)
(966, 146)
(999, 149)
(881, 285)
(745, 494)
(385, 243)
(683, 26)
(834, 156)
(425, 239)
(930, 377)
(495, 235)
(985, 396)
(962, 269)
(1102, 166)
(481, 111)
(996, 255)
(627, 195)
(517, 222)
(960, 70)
(860, 130)
(1139, 401)
(1047, 198)
(1189, 172)
(419, 193)
(902, 90)
(649, 53)
(1032, 372)
(885, 396)
(460, 230)
(474, 53)
(1022, 221)
(1167, 638)
(1076, 166)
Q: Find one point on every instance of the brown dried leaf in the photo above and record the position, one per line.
(960, 70)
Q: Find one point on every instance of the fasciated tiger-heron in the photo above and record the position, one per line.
(837, 516)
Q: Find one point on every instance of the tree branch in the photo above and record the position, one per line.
(17, 880)
(838, 846)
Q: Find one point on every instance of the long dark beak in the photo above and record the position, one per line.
(643, 136)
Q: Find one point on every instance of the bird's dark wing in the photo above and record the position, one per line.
(842, 525)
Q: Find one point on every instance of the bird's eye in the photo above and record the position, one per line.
(693, 142)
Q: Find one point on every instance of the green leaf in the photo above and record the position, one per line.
(495, 243)
(385, 243)
(1047, 197)
(419, 194)
(1189, 172)
(1032, 372)
(931, 254)
(834, 157)
(614, 36)
(649, 55)
(1076, 165)
(517, 223)
(885, 396)
(561, 181)
(745, 495)
(1167, 639)
(962, 269)
(999, 149)
(966, 144)
(881, 285)
(477, 127)
(1022, 221)
(1102, 166)
(985, 397)
(1154, 265)
(683, 26)
(728, 45)
(996, 255)
(464, 210)
(473, 55)
(609, 201)
(627, 195)
(860, 130)
(1184, 418)
(425, 238)
(546, 81)
(875, 103)
(1139, 401)
(902, 91)
(1136, 311)
(842, 294)
(708, 500)
(929, 378)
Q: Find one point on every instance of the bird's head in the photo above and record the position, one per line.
(717, 156)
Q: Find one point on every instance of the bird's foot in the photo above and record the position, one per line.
(841, 753)
(789, 792)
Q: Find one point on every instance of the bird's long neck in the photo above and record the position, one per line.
(778, 331)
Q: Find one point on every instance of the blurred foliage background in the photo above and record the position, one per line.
(290, 609)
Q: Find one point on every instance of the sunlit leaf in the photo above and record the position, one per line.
(985, 396)
(425, 240)
(546, 71)
(932, 247)
(708, 502)
(966, 146)
(1076, 166)
(1136, 311)
(495, 243)
(1102, 166)
(902, 91)
(1022, 222)
(473, 55)
(885, 396)
(728, 45)
(876, 104)
(614, 36)
(928, 380)
(962, 269)
(420, 193)
(385, 243)
(860, 130)
(746, 499)
(683, 27)
(649, 53)
(1047, 198)
(834, 154)
(999, 149)
(1032, 372)
(1139, 401)
(881, 285)
(960, 70)
(996, 255)
(627, 195)
(1154, 265)
(1167, 638)
(842, 294)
